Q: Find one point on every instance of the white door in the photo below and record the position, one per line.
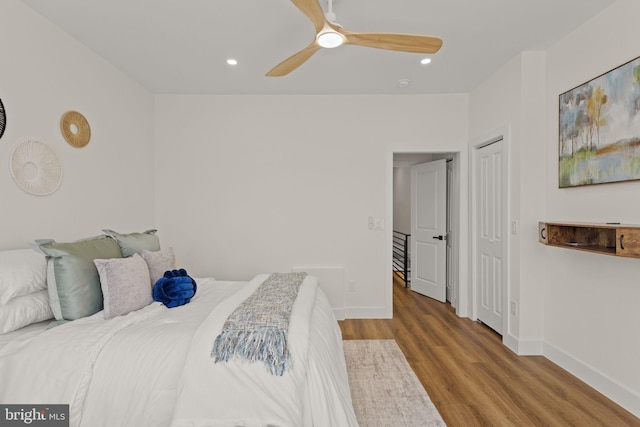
(428, 229)
(490, 238)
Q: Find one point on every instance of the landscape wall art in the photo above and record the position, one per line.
(599, 135)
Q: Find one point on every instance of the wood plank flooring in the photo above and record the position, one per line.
(474, 380)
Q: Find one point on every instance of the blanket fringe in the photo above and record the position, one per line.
(266, 346)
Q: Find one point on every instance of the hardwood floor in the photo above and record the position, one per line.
(474, 380)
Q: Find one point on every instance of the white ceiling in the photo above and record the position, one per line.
(180, 46)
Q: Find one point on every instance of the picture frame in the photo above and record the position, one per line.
(599, 129)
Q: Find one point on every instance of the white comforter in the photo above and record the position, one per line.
(153, 367)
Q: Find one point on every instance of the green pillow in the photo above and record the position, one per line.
(72, 277)
(135, 243)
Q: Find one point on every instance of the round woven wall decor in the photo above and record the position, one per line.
(36, 168)
(75, 129)
(3, 119)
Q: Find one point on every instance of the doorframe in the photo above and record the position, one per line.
(504, 134)
(461, 174)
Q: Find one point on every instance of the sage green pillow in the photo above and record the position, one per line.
(135, 243)
(72, 277)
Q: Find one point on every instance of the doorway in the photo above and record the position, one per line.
(402, 210)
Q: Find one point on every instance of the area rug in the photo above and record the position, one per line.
(384, 389)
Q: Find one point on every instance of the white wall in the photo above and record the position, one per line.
(511, 104)
(591, 301)
(402, 199)
(253, 184)
(107, 184)
(576, 308)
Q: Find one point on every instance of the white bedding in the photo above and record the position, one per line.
(153, 367)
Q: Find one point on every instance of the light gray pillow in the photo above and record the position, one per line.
(72, 278)
(22, 272)
(25, 310)
(134, 243)
(124, 283)
(159, 262)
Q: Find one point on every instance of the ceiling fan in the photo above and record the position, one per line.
(330, 34)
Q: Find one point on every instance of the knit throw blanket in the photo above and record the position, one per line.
(257, 329)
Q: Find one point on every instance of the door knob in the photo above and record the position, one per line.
(438, 237)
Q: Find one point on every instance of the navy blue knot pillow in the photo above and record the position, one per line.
(175, 288)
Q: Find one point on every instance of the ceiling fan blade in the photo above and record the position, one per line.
(294, 61)
(393, 41)
(313, 11)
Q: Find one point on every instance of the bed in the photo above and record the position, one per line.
(153, 366)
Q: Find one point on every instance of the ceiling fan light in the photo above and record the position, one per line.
(330, 39)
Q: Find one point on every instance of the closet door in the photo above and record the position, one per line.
(490, 238)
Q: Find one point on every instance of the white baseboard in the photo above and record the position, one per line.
(366, 313)
(623, 396)
(521, 347)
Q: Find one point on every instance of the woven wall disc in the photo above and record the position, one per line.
(36, 168)
(75, 129)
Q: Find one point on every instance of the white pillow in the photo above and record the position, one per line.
(124, 283)
(25, 310)
(22, 272)
(159, 262)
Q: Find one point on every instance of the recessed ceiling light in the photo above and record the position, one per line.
(403, 83)
(425, 61)
(232, 61)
